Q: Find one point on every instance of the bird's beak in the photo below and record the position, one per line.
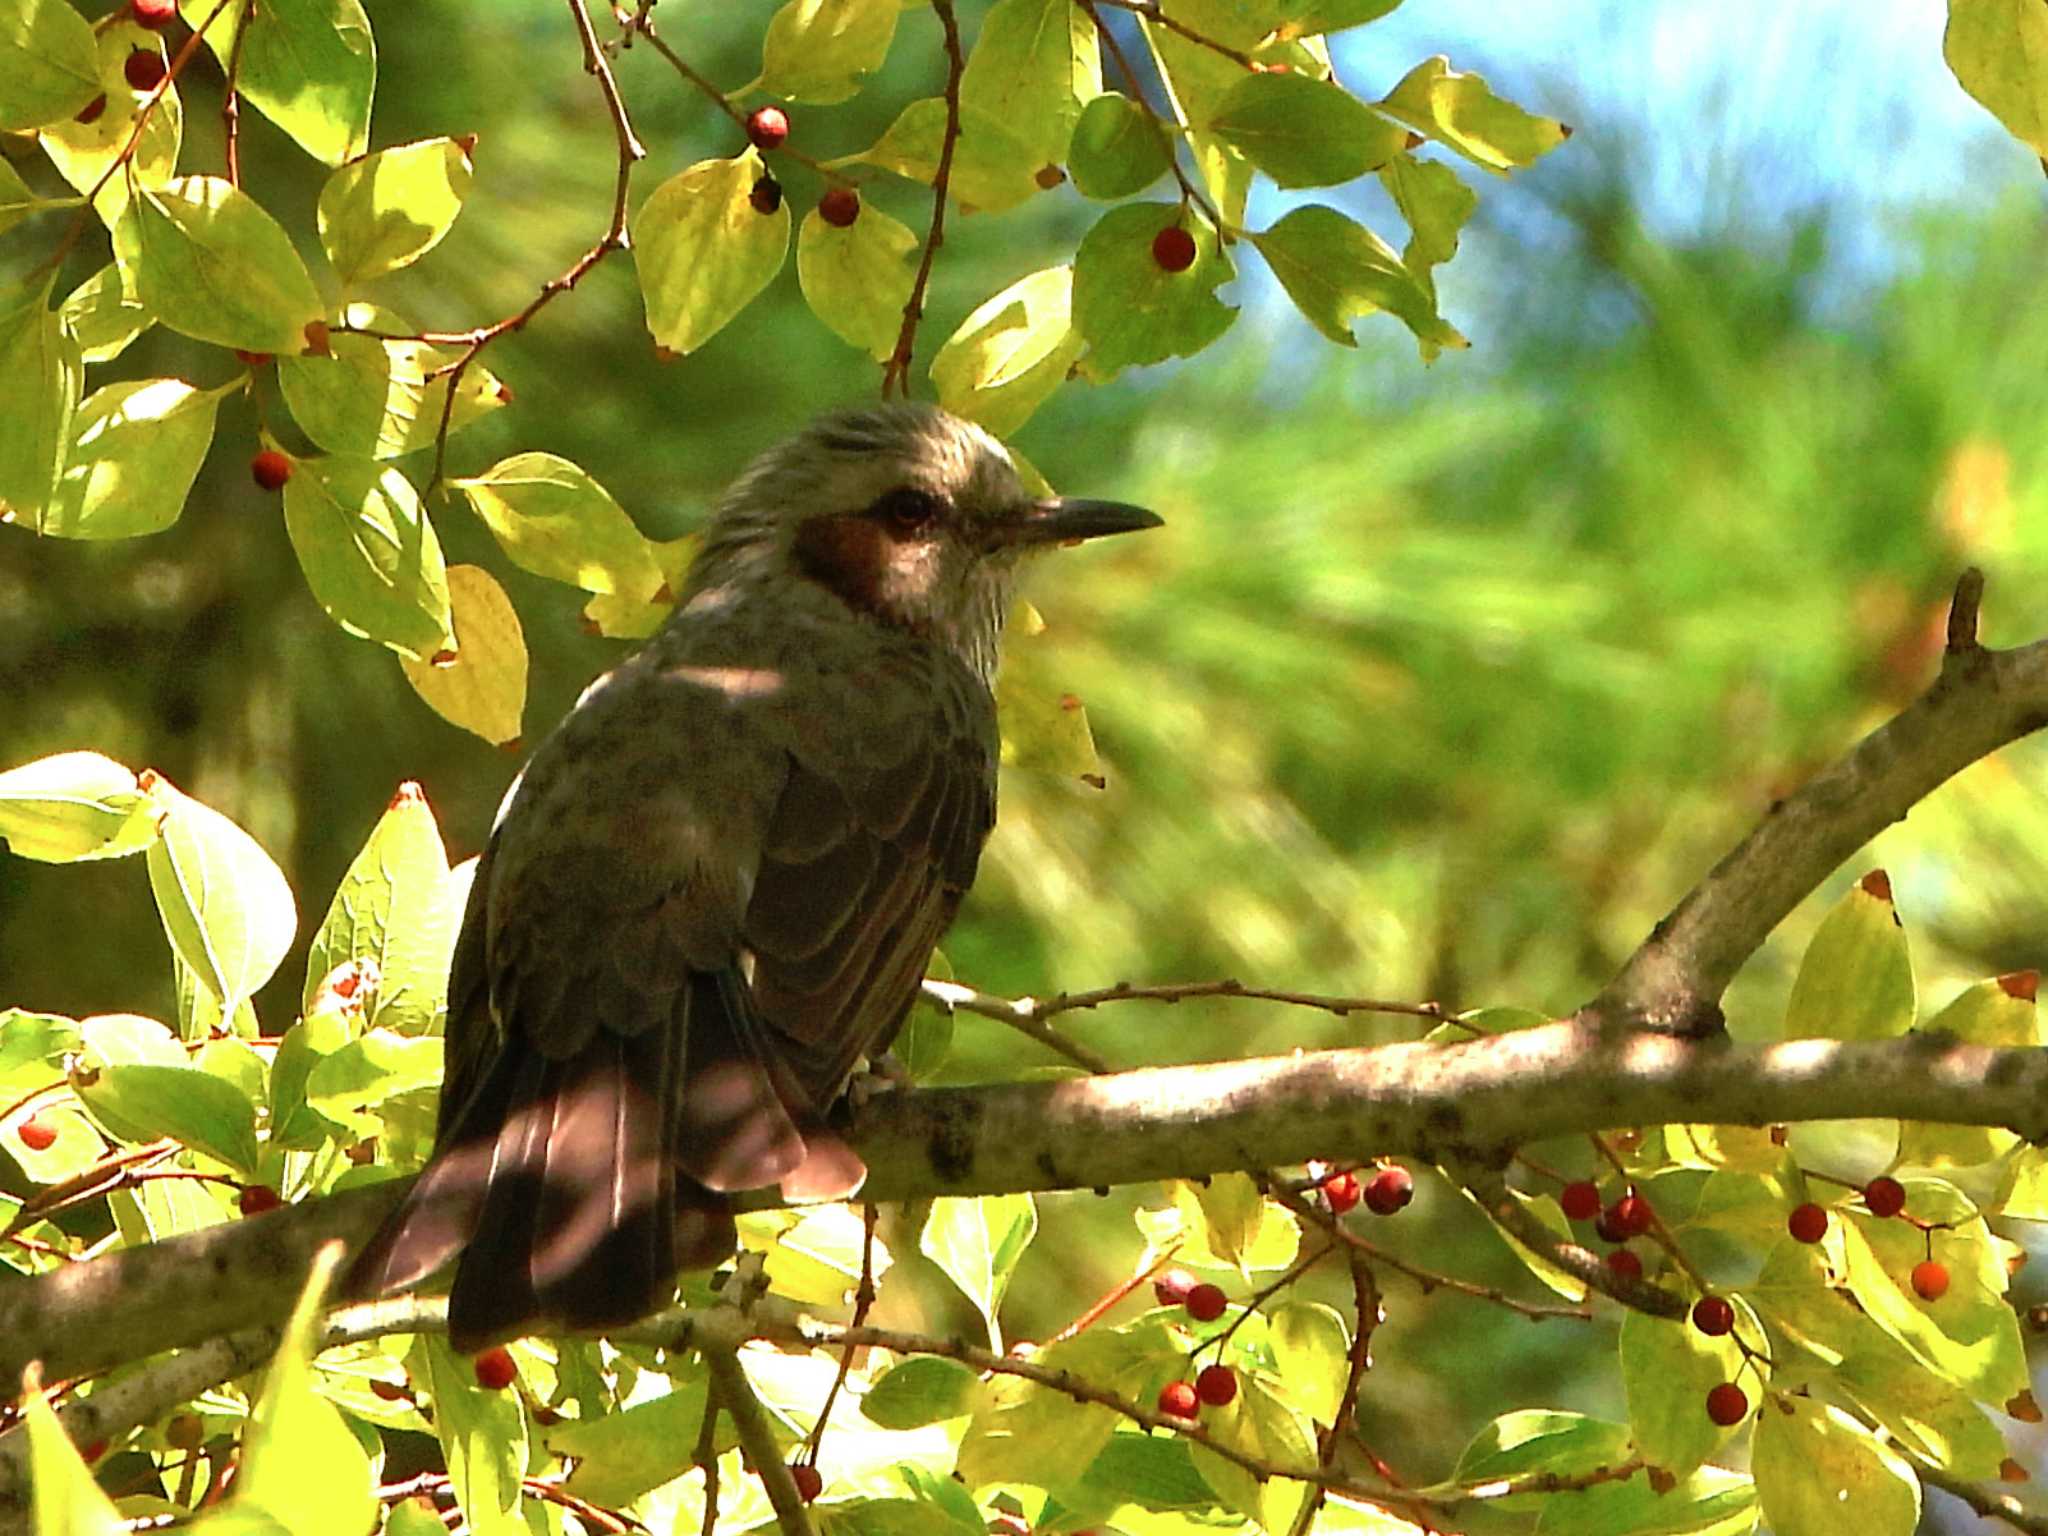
(1068, 520)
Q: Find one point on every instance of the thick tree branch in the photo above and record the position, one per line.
(1467, 1104)
(1981, 701)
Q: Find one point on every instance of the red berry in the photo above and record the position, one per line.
(271, 469)
(94, 1451)
(1177, 1399)
(767, 127)
(766, 196)
(1174, 249)
(1216, 1385)
(36, 1135)
(1389, 1190)
(839, 207)
(1885, 1196)
(1581, 1200)
(185, 1432)
(1713, 1316)
(1930, 1279)
(494, 1369)
(1171, 1286)
(153, 13)
(1726, 1405)
(144, 70)
(252, 359)
(258, 1198)
(1341, 1190)
(1206, 1302)
(1808, 1223)
(1623, 1262)
(90, 112)
(390, 1391)
(1629, 1216)
(810, 1482)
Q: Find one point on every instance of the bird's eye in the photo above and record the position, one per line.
(906, 509)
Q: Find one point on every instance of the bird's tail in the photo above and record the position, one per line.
(572, 1191)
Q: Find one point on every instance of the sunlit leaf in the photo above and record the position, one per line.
(103, 315)
(65, 1499)
(311, 68)
(387, 210)
(857, 278)
(41, 377)
(75, 805)
(139, 1103)
(1034, 62)
(1129, 308)
(1668, 1367)
(992, 169)
(1820, 1473)
(703, 249)
(369, 552)
(136, 448)
(1856, 980)
(1999, 52)
(483, 1435)
(818, 50)
(483, 688)
(1336, 270)
(210, 263)
(84, 152)
(977, 1241)
(1310, 16)
(921, 1390)
(48, 68)
(1116, 149)
(1304, 132)
(554, 520)
(1461, 112)
(622, 1455)
(1011, 353)
(225, 905)
(392, 916)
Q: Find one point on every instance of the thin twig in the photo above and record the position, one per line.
(896, 371)
(1660, 1230)
(1152, 12)
(1580, 1263)
(1169, 132)
(863, 1301)
(1116, 1293)
(1021, 1015)
(706, 1456)
(230, 105)
(1987, 1502)
(953, 994)
(750, 1419)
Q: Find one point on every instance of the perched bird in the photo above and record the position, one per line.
(715, 887)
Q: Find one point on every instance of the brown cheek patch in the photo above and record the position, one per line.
(846, 556)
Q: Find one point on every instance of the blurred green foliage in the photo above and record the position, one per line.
(1439, 685)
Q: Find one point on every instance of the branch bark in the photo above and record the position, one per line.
(1467, 1104)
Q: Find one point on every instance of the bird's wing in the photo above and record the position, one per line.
(867, 855)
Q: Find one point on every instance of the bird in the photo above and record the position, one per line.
(712, 891)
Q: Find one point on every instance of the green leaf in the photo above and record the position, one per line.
(1336, 270)
(1153, 1472)
(1024, 1433)
(557, 522)
(84, 153)
(211, 264)
(103, 316)
(1304, 132)
(1710, 1502)
(41, 376)
(1227, 1220)
(1261, 1425)
(857, 278)
(1131, 310)
(619, 617)
(1461, 112)
(1116, 150)
(1998, 50)
(136, 448)
(977, 1241)
(374, 397)
(310, 66)
(1667, 1368)
(1856, 980)
(17, 202)
(622, 1455)
(302, 1468)
(1820, 1473)
(817, 50)
(393, 915)
(115, 1039)
(304, 1046)
(1307, 17)
(1010, 354)
(1542, 1440)
(993, 167)
(1999, 1011)
(1034, 62)
(483, 1435)
(703, 250)
(387, 210)
(368, 1071)
(225, 906)
(483, 689)
(31, 1046)
(813, 1253)
(1436, 205)
(370, 555)
(64, 1498)
(1198, 78)
(1312, 1357)
(206, 1113)
(924, 1389)
(48, 67)
(73, 806)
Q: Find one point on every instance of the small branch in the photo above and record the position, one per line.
(230, 105)
(1981, 701)
(1581, 1263)
(718, 1335)
(1169, 132)
(1660, 1230)
(1152, 12)
(1100, 1307)
(1021, 1015)
(896, 372)
(1986, 1502)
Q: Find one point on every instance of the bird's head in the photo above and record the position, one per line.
(909, 516)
